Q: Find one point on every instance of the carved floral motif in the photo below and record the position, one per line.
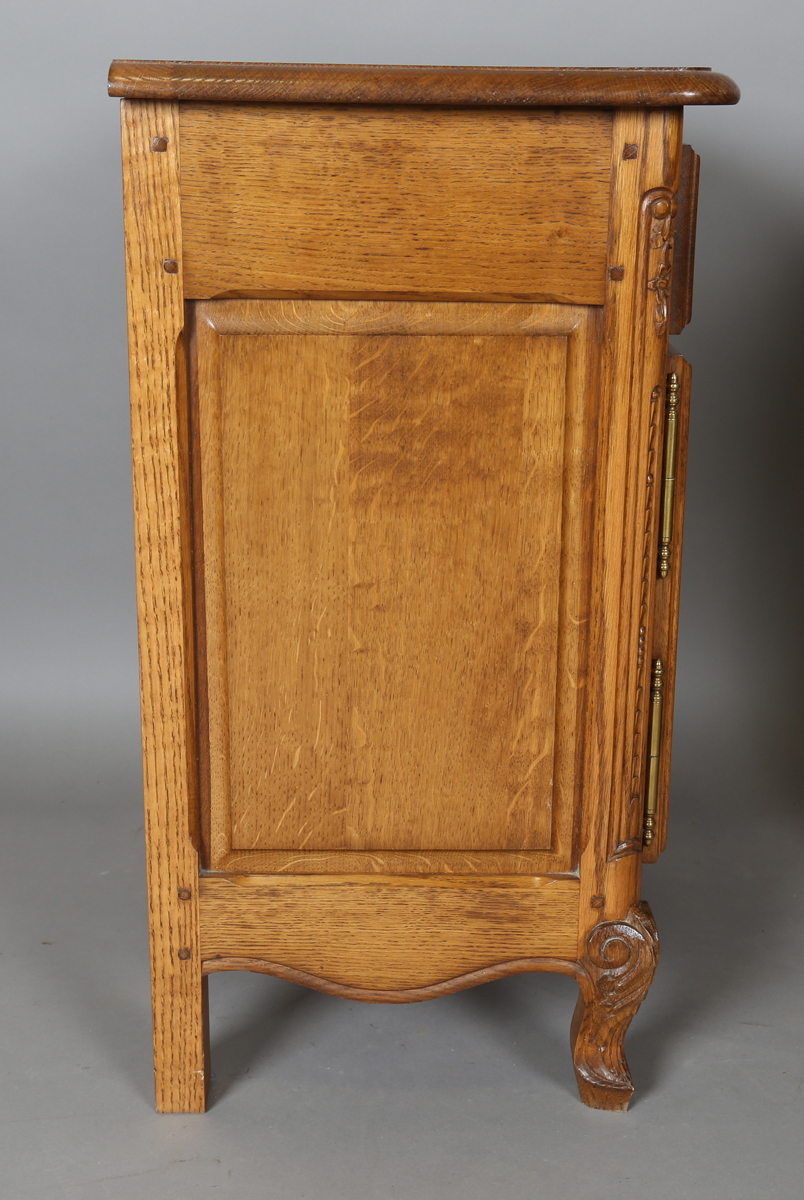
(661, 209)
(661, 213)
(660, 284)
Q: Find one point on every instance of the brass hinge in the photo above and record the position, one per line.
(654, 751)
(669, 475)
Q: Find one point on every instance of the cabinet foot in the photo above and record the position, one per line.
(181, 1045)
(615, 973)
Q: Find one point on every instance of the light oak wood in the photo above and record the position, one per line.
(161, 526)
(391, 862)
(398, 365)
(515, 966)
(393, 673)
(388, 934)
(623, 555)
(300, 200)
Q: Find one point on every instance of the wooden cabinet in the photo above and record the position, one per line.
(409, 482)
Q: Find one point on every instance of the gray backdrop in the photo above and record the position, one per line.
(475, 1092)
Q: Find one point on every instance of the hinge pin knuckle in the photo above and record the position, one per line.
(669, 475)
(654, 752)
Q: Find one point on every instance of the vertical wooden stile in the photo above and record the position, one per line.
(634, 357)
(162, 533)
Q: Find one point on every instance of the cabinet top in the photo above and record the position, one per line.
(322, 83)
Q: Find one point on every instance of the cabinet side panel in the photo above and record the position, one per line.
(158, 419)
(301, 200)
(395, 569)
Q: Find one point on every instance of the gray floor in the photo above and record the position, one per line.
(471, 1095)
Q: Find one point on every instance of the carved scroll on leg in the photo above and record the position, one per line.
(617, 969)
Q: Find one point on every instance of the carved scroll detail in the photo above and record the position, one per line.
(661, 209)
(616, 970)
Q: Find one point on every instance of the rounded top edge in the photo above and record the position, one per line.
(331, 83)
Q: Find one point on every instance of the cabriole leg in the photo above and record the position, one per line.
(614, 976)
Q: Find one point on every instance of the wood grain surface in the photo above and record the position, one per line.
(623, 555)
(403, 862)
(162, 527)
(396, 556)
(335, 83)
(393, 497)
(302, 200)
(388, 933)
(414, 995)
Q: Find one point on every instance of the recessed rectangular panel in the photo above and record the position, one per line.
(385, 519)
(362, 201)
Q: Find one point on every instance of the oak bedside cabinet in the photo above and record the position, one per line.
(409, 455)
